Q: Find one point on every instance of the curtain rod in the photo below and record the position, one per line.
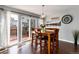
(3, 7)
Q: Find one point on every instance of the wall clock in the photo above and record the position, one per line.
(66, 19)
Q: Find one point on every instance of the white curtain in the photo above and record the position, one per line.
(3, 31)
(0, 29)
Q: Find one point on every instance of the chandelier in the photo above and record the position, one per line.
(43, 16)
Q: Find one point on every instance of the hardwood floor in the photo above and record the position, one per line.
(64, 48)
(68, 48)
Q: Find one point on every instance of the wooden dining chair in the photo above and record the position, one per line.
(39, 39)
(34, 37)
(43, 42)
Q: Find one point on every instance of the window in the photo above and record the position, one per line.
(25, 27)
(13, 28)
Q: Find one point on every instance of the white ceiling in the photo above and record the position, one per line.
(48, 9)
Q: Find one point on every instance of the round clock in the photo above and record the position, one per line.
(66, 19)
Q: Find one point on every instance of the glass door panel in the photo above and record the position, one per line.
(34, 24)
(13, 28)
(25, 28)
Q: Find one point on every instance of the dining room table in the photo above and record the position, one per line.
(48, 33)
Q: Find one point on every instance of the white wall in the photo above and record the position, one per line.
(66, 30)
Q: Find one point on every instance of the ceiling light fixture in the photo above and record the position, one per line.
(43, 15)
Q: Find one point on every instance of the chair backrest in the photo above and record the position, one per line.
(37, 30)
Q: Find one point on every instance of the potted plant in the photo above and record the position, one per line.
(42, 28)
(75, 34)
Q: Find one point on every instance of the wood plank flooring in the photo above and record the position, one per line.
(64, 48)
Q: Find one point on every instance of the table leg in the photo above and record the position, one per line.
(48, 43)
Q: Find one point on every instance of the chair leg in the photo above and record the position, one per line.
(53, 48)
(36, 43)
(52, 45)
(57, 47)
(45, 45)
(32, 40)
(40, 46)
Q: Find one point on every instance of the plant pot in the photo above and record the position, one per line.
(42, 30)
(75, 42)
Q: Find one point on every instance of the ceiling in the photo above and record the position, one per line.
(48, 9)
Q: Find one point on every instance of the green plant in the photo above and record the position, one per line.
(42, 27)
(75, 34)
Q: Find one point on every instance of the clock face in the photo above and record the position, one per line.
(66, 19)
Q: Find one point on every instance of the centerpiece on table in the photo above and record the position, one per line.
(42, 28)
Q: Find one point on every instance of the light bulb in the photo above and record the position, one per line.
(43, 16)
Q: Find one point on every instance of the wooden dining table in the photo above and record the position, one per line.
(48, 32)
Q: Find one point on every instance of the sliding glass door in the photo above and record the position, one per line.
(34, 24)
(24, 27)
(13, 28)
(21, 27)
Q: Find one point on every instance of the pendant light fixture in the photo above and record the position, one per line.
(43, 15)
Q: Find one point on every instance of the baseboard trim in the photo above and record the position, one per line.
(66, 40)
